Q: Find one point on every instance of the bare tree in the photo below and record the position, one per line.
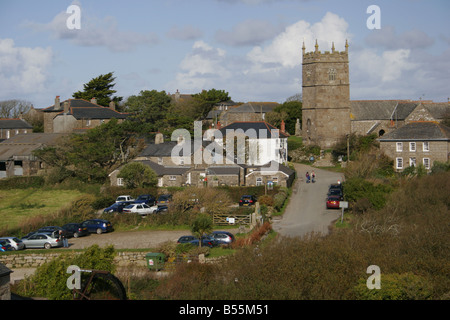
(14, 108)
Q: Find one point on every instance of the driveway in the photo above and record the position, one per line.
(306, 211)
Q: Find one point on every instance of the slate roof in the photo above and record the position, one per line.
(393, 109)
(255, 107)
(223, 170)
(4, 270)
(419, 131)
(82, 109)
(274, 164)
(22, 145)
(14, 124)
(381, 109)
(162, 170)
(256, 125)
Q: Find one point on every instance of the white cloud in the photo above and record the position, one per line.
(23, 70)
(187, 32)
(94, 32)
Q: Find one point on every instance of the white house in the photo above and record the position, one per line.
(254, 143)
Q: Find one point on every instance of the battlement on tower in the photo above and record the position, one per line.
(326, 56)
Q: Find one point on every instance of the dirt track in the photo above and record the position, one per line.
(127, 240)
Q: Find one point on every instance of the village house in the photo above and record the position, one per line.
(78, 115)
(417, 143)
(16, 154)
(249, 112)
(11, 127)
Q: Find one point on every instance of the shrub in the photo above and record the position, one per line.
(394, 286)
(266, 200)
(50, 279)
(22, 182)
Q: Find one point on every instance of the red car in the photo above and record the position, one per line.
(333, 202)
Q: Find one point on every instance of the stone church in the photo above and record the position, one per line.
(328, 114)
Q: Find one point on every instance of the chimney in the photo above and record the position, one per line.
(94, 100)
(159, 138)
(283, 127)
(57, 105)
(112, 105)
(66, 106)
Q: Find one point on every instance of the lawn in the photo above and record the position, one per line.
(16, 205)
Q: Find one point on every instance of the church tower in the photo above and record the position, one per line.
(326, 96)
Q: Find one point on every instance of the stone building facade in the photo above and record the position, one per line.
(326, 96)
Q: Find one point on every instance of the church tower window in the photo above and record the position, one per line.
(331, 74)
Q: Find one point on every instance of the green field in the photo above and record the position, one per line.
(17, 205)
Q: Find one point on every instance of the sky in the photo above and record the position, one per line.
(249, 48)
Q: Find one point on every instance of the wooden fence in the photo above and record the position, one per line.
(232, 219)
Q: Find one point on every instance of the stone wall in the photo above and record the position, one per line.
(34, 260)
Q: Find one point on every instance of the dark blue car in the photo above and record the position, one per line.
(206, 241)
(117, 207)
(98, 226)
(147, 199)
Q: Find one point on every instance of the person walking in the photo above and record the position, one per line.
(313, 175)
(307, 177)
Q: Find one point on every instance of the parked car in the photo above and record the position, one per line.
(206, 241)
(14, 242)
(117, 207)
(333, 202)
(139, 208)
(42, 240)
(247, 200)
(125, 198)
(98, 226)
(5, 246)
(164, 199)
(336, 192)
(147, 199)
(75, 230)
(222, 237)
(160, 209)
(51, 229)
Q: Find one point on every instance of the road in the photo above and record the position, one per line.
(306, 211)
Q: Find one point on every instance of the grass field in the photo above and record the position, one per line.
(18, 205)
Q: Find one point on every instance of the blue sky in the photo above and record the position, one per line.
(249, 48)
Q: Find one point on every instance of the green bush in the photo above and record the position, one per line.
(359, 188)
(394, 286)
(50, 279)
(22, 182)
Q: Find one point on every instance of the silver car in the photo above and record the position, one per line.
(14, 242)
(42, 240)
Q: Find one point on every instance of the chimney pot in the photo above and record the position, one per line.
(57, 105)
(94, 100)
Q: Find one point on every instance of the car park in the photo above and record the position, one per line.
(15, 243)
(247, 200)
(148, 199)
(42, 240)
(117, 207)
(98, 226)
(75, 230)
(164, 199)
(333, 202)
(125, 198)
(139, 208)
(222, 237)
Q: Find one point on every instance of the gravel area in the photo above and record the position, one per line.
(127, 239)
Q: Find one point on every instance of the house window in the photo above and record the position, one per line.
(88, 123)
(160, 160)
(426, 163)
(399, 146)
(412, 146)
(399, 163)
(120, 181)
(412, 162)
(259, 181)
(426, 146)
(172, 178)
(181, 162)
(275, 180)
